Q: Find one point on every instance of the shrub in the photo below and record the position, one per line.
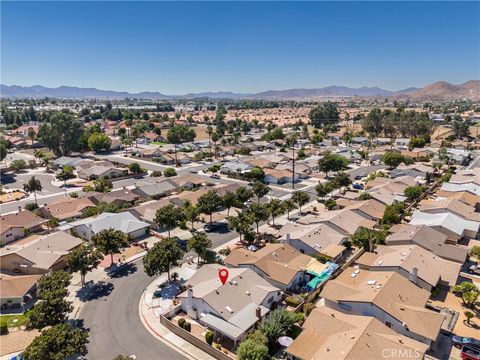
(209, 337)
(218, 346)
(330, 204)
(31, 206)
(300, 318)
(187, 326)
(226, 251)
(169, 172)
(475, 251)
(156, 173)
(293, 300)
(74, 195)
(181, 322)
(308, 307)
(3, 329)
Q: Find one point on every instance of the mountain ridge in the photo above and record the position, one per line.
(439, 90)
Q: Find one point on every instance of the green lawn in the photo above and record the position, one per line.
(10, 320)
(157, 143)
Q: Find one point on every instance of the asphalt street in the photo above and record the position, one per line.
(114, 322)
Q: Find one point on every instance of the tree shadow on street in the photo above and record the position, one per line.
(118, 271)
(99, 290)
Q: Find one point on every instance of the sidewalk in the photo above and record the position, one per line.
(151, 307)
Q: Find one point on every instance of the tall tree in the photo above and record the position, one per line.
(367, 238)
(242, 224)
(84, 259)
(59, 342)
(32, 186)
(31, 134)
(275, 208)
(64, 175)
(62, 134)
(168, 217)
(289, 206)
(190, 213)
(199, 243)
(162, 257)
(179, 134)
(229, 200)
(291, 141)
(300, 198)
(243, 194)
(260, 190)
(52, 308)
(110, 241)
(259, 213)
(208, 203)
(332, 162)
(324, 114)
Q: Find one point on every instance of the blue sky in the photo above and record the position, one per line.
(238, 46)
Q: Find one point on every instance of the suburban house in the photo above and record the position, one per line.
(463, 196)
(273, 176)
(451, 206)
(235, 167)
(413, 171)
(470, 187)
(124, 222)
(314, 239)
(147, 211)
(15, 291)
(303, 170)
(428, 238)
(38, 255)
(118, 197)
(231, 310)
(280, 264)
(454, 226)
(66, 208)
(420, 266)
(148, 153)
(63, 161)
(154, 189)
(330, 334)
(101, 172)
(345, 221)
(18, 225)
(369, 209)
(387, 296)
(190, 181)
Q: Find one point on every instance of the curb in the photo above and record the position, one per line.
(160, 337)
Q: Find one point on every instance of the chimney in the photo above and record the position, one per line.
(413, 276)
(287, 239)
(19, 209)
(258, 312)
(190, 296)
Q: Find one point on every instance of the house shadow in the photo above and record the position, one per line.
(98, 290)
(121, 270)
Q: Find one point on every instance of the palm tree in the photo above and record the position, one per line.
(210, 132)
(32, 186)
(291, 141)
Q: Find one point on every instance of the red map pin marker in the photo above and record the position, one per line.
(223, 275)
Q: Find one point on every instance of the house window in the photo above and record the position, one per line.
(270, 300)
(389, 324)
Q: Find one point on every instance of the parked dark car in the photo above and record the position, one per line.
(459, 341)
(216, 227)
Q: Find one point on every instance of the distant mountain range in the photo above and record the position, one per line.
(440, 90)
